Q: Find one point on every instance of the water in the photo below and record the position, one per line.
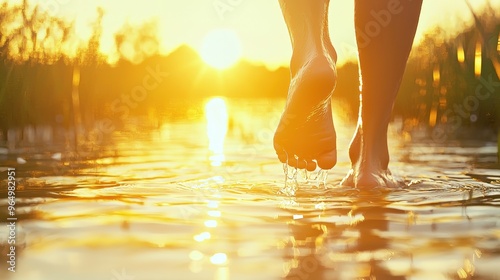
(177, 202)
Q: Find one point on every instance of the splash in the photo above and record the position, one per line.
(291, 183)
(295, 177)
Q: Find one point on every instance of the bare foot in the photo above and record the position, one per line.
(369, 165)
(305, 136)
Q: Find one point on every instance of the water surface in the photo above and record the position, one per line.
(203, 197)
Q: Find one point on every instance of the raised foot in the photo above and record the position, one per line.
(305, 137)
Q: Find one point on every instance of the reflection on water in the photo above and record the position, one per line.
(148, 205)
(217, 121)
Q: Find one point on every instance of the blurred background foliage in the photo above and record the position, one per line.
(47, 77)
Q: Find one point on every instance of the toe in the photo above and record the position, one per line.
(291, 160)
(282, 156)
(311, 165)
(327, 160)
(302, 163)
(281, 153)
(294, 161)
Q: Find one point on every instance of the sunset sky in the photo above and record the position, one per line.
(257, 23)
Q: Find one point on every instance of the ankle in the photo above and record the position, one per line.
(301, 57)
(330, 50)
(372, 151)
(376, 158)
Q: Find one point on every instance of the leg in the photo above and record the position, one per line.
(305, 136)
(385, 30)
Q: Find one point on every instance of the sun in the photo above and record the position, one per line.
(221, 48)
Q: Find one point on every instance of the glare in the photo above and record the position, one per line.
(219, 180)
(320, 206)
(219, 259)
(202, 236)
(217, 122)
(460, 54)
(478, 60)
(221, 48)
(498, 43)
(215, 214)
(211, 223)
(85, 192)
(436, 75)
(213, 204)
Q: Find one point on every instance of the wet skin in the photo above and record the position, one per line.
(305, 137)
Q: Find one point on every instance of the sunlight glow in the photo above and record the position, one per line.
(214, 213)
(202, 236)
(498, 44)
(212, 204)
(460, 53)
(436, 75)
(211, 223)
(478, 59)
(221, 48)
(217, 122)
(433, 117)
(219, 259)
(196, 18)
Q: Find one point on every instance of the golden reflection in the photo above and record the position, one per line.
(213, 204)
(222, 273)
(198, 258)
(219, 259)
(217, 123)
(211, 223)
(320, 206)
(196, 255)
(215, 214)
(436, 75)
(478, 59)
(477, 253)
(462, 274)
(498, 44)
(76, 77)
(85, 193)
(75, 97)
(202, 236)
(461, 53)
(433, 117)
(313, 253)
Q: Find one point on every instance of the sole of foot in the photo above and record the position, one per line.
(305, 137)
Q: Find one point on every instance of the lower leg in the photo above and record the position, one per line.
(385, 31)
(307, 23)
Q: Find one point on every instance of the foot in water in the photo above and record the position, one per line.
(369, 165)
(305, 137)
